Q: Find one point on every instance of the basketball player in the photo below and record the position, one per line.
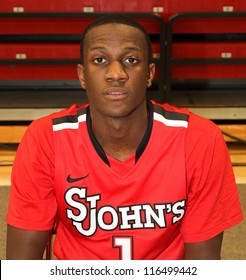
(123, 177)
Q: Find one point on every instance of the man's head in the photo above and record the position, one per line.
(116, 69)
(115, 18)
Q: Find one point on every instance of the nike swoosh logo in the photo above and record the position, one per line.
(73, 180)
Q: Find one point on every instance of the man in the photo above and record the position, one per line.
(122, 177)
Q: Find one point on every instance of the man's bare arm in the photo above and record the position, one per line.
(26, 244)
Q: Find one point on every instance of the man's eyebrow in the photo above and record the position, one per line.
(97, 48)
(125, 49)
(133, 49)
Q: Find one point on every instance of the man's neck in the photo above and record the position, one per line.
(120, 137)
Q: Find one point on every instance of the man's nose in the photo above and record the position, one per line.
(116, 72)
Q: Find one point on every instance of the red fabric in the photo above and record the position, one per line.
(181, 189)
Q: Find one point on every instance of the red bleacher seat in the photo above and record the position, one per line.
(211, 71)
(201, 39)
(157, 6)
(58, 25)
(43, 25)
(82, 6)
(64, 6)
(209, 50)
(178, 6)
(209, 25)
(39, 72)
(39, 51)
(166, 8)
(49, 6)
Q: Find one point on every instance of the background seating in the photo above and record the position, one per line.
(200, 55)
(206, 59)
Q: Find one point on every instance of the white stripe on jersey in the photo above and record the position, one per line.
(167, 122)
(157, 117)
(82, 118)
(69, 125)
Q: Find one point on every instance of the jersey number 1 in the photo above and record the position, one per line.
(125, 246)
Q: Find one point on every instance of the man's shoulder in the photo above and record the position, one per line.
(74, 110)
(193, 119)
(45, 123)
(68, 112)
(170, 108)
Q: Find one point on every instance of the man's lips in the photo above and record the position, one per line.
(115, 91)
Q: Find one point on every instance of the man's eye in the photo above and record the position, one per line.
(131, 60)
(99, 60)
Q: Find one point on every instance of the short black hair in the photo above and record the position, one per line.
(116, 18)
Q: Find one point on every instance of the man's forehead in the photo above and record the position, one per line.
(115, 32)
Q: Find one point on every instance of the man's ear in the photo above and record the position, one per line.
(81, 75)
(151, 74)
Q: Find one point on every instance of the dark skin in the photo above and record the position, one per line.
(206, 250)
(115, 74)
(26, 244)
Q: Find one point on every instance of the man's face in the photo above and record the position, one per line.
(115, 73)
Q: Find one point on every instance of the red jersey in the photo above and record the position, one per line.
(178, 187)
